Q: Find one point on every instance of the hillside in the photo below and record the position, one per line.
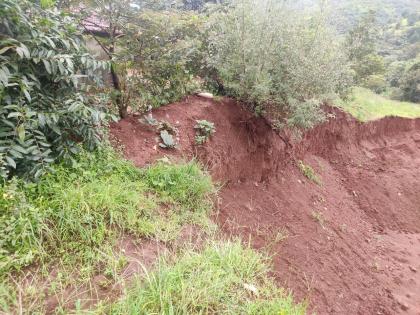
(338, 210)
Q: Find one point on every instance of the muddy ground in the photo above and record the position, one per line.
(348, 245)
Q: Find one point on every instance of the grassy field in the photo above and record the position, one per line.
(366, 105)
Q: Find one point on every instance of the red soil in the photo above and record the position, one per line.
(350, 245)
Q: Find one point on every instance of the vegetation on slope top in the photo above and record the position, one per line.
(366, 105)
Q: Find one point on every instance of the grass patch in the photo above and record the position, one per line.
(309, 173)
(365, 105)
(318, 216)
(185, 185)
(223, 278)
(74, 210)
(75, 214)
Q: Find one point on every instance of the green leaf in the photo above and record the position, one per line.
(25, 51)
(47, 66)
(27, 95)
(21, 132)
(4, 49)
(14, 114)
(11, 162)
(19, 51)
(16, 154)
(20, 149)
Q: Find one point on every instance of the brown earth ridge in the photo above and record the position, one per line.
(349, 245)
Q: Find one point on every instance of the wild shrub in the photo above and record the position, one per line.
(159, 67)
(268, 54)
(43, 112)
(204, 129)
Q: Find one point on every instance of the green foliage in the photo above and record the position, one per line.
(223, 278)
(267, 53)
(204, 130)
(376, 83)
(362, 42)
(369, 65)
(43, 112)
(185, 184)
(305, 114)
(159, 67)
(410, 84)
(21, 225)
(309, 172)
(72, 211)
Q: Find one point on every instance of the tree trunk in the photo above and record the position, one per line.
(122, 108)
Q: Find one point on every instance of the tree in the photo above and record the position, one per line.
(161, 57)
(361, 45)
(410, 84)
(274, 57)
(112, 18)
(44, 113)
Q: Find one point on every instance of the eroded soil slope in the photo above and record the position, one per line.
(350, 244)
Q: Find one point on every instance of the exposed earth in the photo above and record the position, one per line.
(349, 244)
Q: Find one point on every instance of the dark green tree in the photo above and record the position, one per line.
(44, 113)
(361, 43)
(410, 84)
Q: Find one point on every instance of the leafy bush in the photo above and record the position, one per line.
(224, 278)
(204, 130)
(159, 67)
(266, 54)
(43, 113)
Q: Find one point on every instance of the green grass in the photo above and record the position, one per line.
(64, 230)
(75, 214)
(365, 105)
(74, 210)
(223, 278)
(309, 173)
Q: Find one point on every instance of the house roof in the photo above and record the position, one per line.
(93, 23)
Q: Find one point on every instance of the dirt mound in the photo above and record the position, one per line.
(351, 244)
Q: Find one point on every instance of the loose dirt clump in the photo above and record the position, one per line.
(349, 243)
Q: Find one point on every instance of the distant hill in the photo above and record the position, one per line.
(345, 13)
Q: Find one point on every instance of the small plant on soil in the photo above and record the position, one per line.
(319, 217)
(167, 133)
(168, 141)
(164, 125)
(309, 173)
(150, 120)
(204, 129)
